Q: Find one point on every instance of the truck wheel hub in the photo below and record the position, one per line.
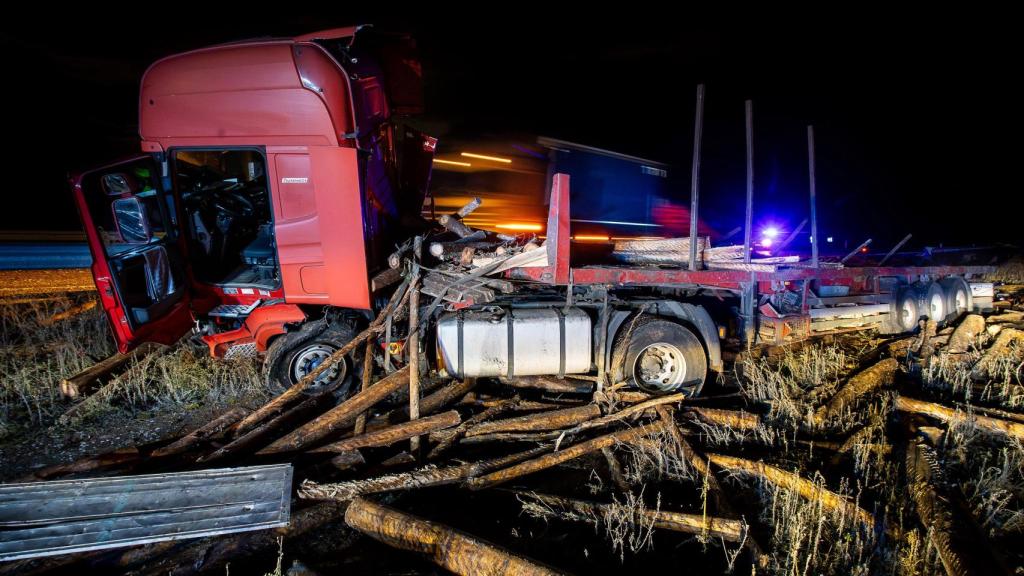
(660, 366)
(309, 358)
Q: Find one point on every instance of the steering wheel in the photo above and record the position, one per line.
(233, 203)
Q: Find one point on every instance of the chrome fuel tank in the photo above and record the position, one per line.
(515, 341)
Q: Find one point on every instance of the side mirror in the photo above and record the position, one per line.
(132, 223)
(118, 184)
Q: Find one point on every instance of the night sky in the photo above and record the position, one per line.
(916, 116)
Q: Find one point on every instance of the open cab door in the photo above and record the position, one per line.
(130, 224)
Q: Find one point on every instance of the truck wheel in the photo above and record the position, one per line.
(903, 314)
(933, 302)
(958, 296)
(660, 356)
(294, 355)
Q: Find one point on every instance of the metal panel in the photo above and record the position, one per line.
(65, 516)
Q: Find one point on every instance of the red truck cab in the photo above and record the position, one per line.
(274, 174)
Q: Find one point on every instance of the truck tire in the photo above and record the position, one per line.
(295, 354)
(659, 356)
(903, 314)
(958, 296)
(933, 302)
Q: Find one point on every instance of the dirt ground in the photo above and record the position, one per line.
(936, 488)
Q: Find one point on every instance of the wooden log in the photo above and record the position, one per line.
(341, 416)
(424, 477)
(544, 421)
(966, 334)
(263, 433)
(276, 405)
(397, 433)
(88, 381)
(952, 416)
(452, 224)
(869, 380)
(348, 460)
(449, 438)
(208, 431)
(414, 340)
(951, 538)
(451, 549)
(734, 419)
(628, 412)
(360, 426)
(724, 528)
(107, 460)
(1009, 341)
(551, 384)
(615, 470)
(795, 483)
(469, 207)
(388, 277)
(570, 453)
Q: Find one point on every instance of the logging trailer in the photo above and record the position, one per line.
(278, 176)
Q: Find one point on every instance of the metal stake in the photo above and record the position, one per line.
(695, 175)
(814, 212)
(750, 182)
(895, 248)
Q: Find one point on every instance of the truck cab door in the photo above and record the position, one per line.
(130, 225)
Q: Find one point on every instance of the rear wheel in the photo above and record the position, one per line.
(295, 355)
(660, 356)
(903, 314)
(958, 296)
(933, 302)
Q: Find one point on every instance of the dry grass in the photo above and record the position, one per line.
(35, 356)
(1009, 272)
(793, 385)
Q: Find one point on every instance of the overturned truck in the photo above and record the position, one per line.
(278, 177)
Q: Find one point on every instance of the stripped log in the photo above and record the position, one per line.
(1009, 346)
(448, 438)
(263, 433)
(397, 433)
(724, 528)
(551, 384)
(451, 549)
(544, 421)
(873, 378)
(570, 453)
(952, 416)
(966, 334)
(208, 431)
(395, 304)
(88, 381)
(341, 416)
(364, 383)
(734, 419)
(795, 483)
(420, 478)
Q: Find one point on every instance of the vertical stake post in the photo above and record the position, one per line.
(695, 175)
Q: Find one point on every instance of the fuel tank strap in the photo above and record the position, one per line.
(561, 342)
(461, 319)
(511, 344)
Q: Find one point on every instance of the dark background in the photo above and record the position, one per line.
(916, 115)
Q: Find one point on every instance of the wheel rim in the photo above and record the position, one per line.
(935, 306)
(907, 313)
(309, 358)
(960, 301)
(660, 366)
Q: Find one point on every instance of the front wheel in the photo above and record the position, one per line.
(295, 355)
(660, 356)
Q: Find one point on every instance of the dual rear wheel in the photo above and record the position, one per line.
(939, 301)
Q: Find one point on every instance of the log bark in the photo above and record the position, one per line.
(544, 421)
(88, 464)
(551, 384)
(966, 334)
(364, 383)
(793, 482)
(615, 470)
(570, 453)
(873, 378)
(278, 404)
(999, 351)
(208, 431)
(393, 434)
(451, 549)
(728, 530)
(445, 440)
(263, 433)
(629, 411)
(420, 478)
(452, 224)
(341, 416)
(88, 381)
(951, 416)
(735, 419)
